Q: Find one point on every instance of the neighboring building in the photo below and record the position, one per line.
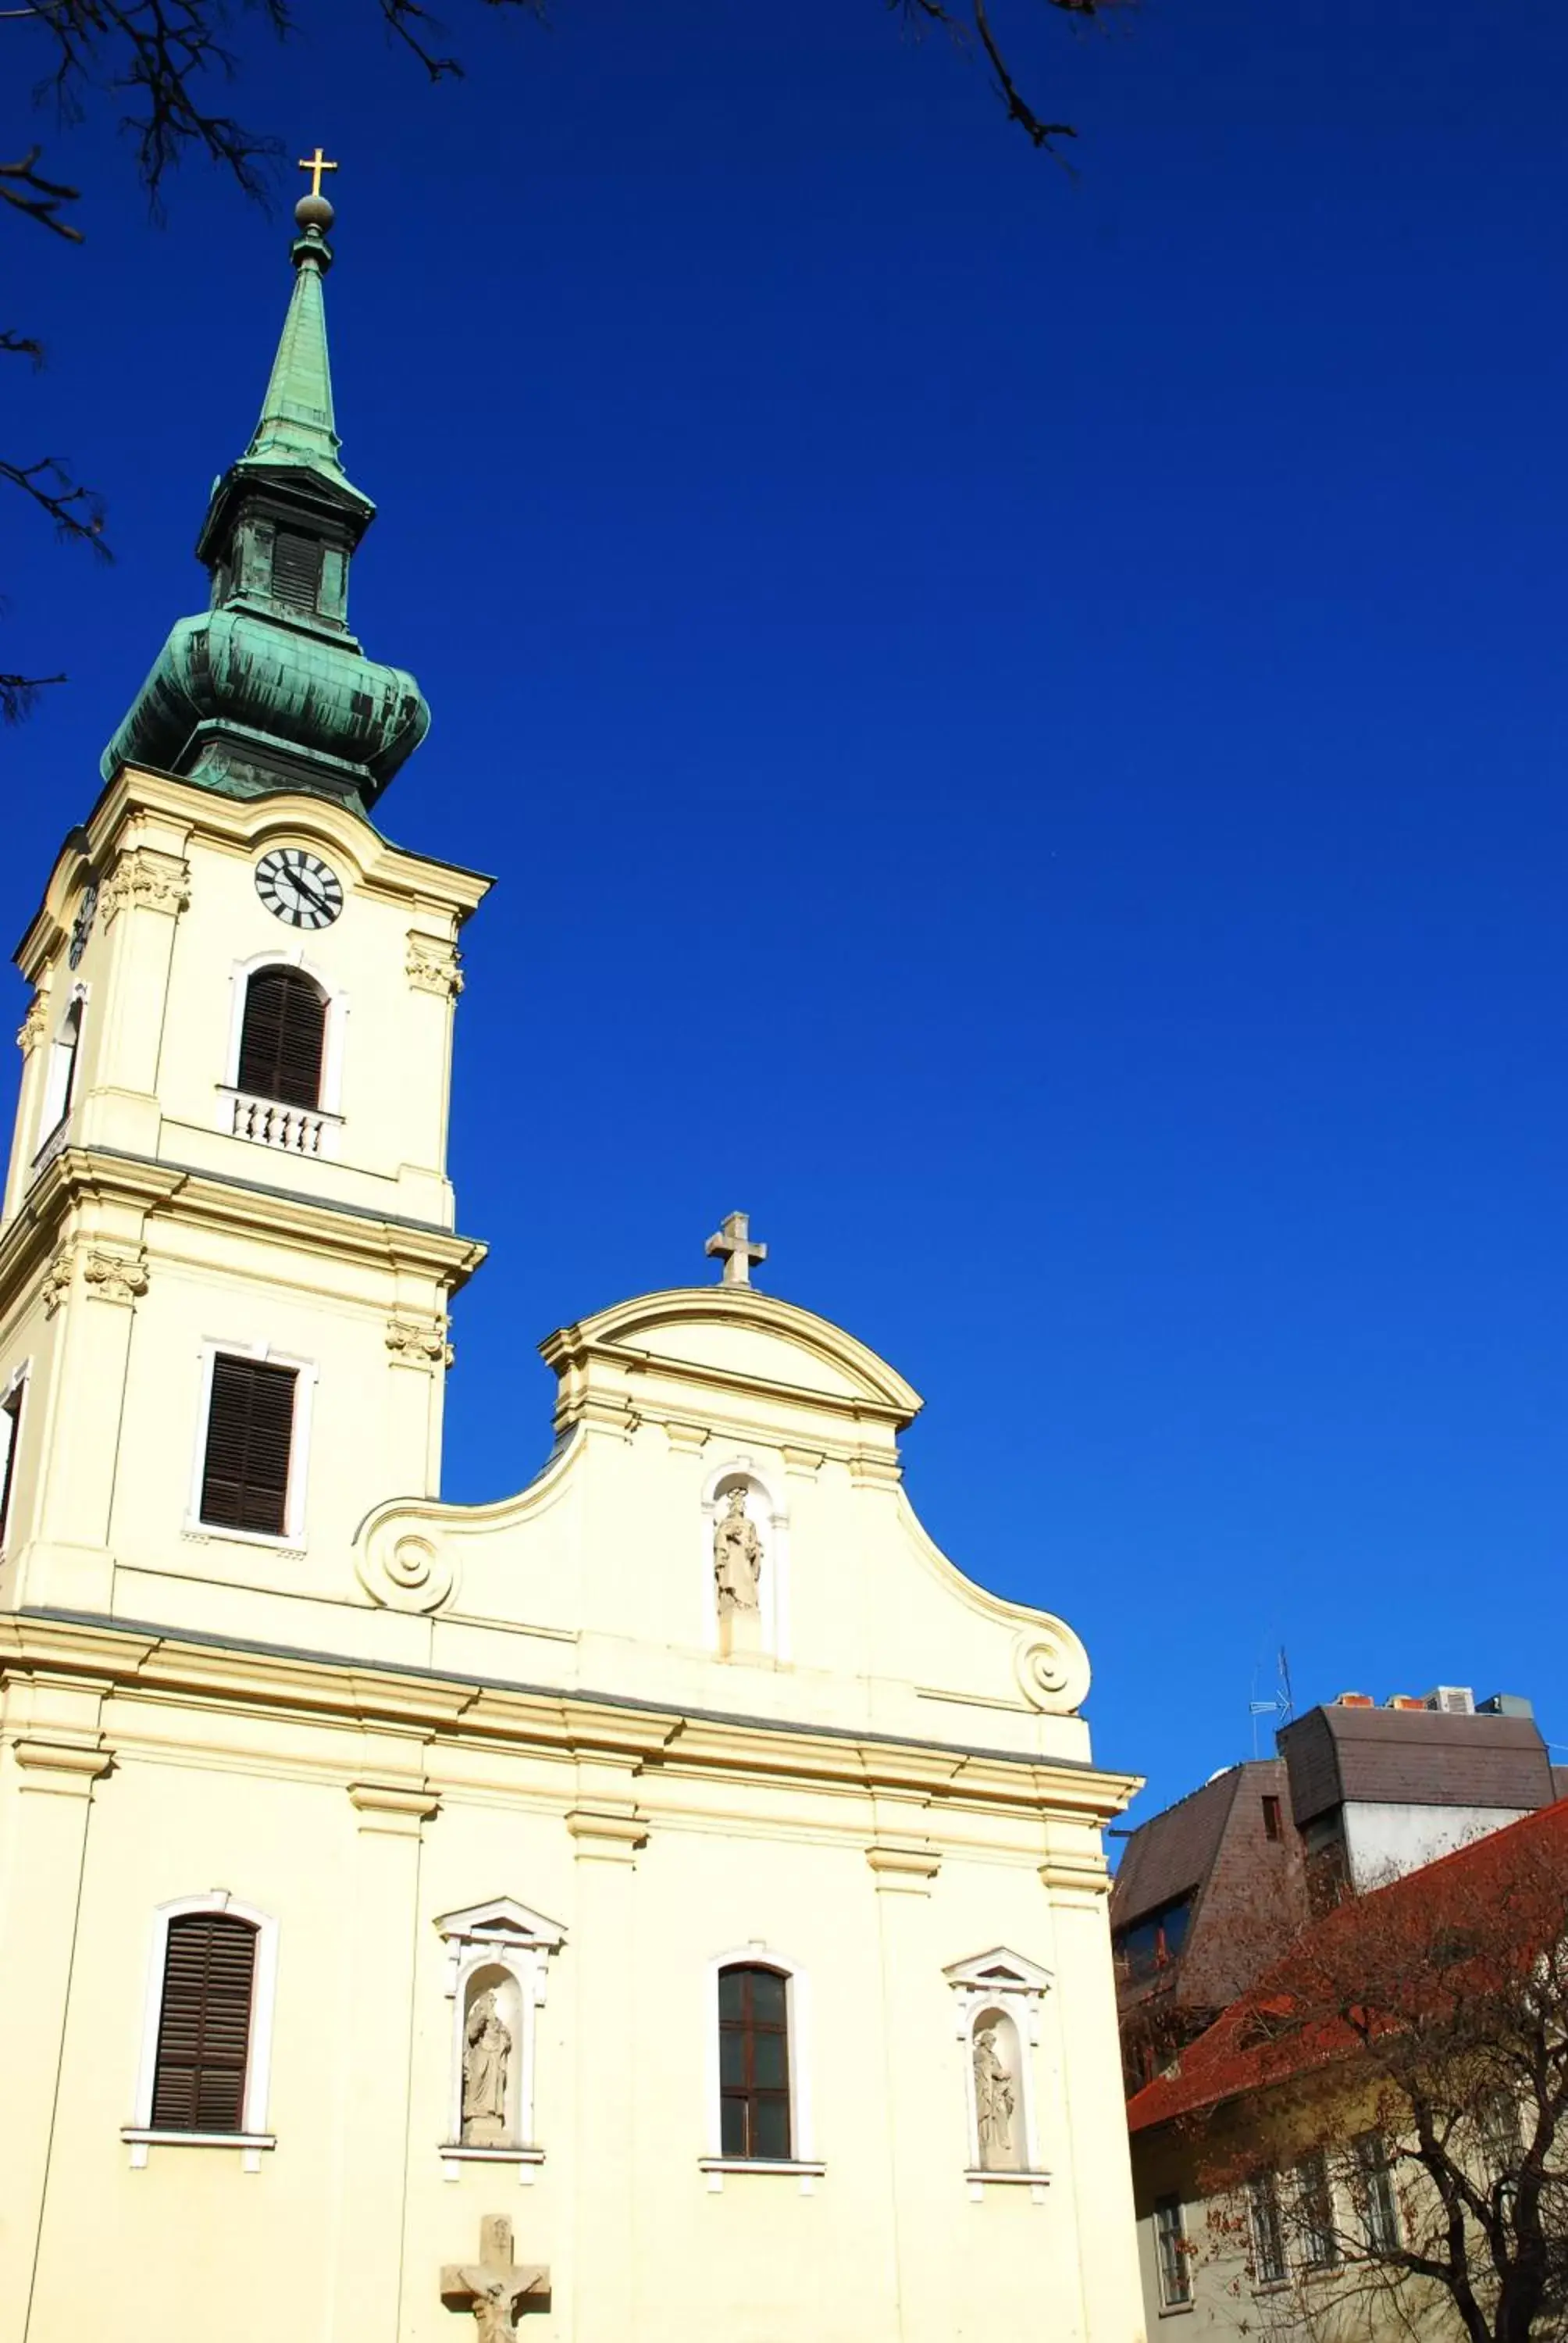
(1209, 1891)
(1206, 1894)
(684, 1839)
(1378, 1791)
(1266, 2177)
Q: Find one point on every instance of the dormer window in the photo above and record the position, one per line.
(296, 570)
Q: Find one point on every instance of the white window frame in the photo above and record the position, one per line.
(1266, 2186)
(1310, 2172)
(13, 1401)
(1169, 2301)
(306, 1373)
(1009, 1982)
(803, 2164)
(254, 2135)
(774, 1606)
(505, 1935)
(333, 1033)
(63, 1069)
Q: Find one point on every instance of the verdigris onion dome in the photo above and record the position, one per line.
(266, 690)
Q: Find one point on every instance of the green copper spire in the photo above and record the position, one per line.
(297, 421)
(267, 690)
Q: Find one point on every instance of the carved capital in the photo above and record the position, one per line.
(419, 1343)
(115, 1277)
(145, 880)
(57, 1284)
(393, 1809)
(32, 1029)
(605, 1837)
(433, 965)
(64, 1768)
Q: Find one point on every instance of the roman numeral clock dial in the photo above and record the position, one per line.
(298, 887)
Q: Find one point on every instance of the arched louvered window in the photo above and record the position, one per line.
(282, 1037)
(204, 2024)
(754, 2062)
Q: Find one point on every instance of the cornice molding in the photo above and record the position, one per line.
(167, 1192)
(176, 813)
(476, 1714)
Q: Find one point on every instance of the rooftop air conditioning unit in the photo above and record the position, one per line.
(1403, 1700)
(1355, 1699)
(1451, 1700)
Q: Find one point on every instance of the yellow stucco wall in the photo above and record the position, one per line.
(405, 1709)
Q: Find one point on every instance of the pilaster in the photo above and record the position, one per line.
(1091, 2120)
(50, 1762)
(381, 1903)
(606, 1834)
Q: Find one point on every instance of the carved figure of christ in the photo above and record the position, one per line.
(495, 2288)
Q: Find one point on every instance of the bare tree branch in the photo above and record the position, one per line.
(25, 188)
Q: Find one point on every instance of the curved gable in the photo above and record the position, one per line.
(729, 1334)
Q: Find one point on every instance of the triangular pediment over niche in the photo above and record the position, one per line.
(999, 1971)
(503, 1920)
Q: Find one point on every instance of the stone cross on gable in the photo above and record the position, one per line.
(732, 1238)
(495, 2288)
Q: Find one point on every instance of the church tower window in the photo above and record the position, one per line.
(295, 570)
(283, 1037)
(244, 1483)
(10, 1436)
(204, 2024)
(754, 2062)
(60, 1085)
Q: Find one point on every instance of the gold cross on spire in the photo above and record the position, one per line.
(316, 164)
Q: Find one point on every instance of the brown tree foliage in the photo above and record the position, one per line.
(1395, 2097)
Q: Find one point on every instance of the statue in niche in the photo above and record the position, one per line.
(487, 2051)
(737, 1557)
(993, 2101)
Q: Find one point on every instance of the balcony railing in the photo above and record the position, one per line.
(293, 1130)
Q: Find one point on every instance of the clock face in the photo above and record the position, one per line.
(83, 926)
(298, 887)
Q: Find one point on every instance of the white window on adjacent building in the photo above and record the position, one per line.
(1268, 2233)
(1315, 2198)
(1172, 2253)
(1380, 2205)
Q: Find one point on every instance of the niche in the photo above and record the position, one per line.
(492, 2060)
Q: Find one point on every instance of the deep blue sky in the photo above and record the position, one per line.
(1021, 725)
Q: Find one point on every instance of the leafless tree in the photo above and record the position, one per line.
(1407, 2165)
(166, 64)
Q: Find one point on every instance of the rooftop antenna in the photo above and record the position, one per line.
(1282, 1706)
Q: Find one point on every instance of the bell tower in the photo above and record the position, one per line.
(227, 1251)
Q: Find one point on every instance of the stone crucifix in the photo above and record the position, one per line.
(732, 1239)
(495, 2288)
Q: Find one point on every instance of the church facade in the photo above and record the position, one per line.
(665, 1903)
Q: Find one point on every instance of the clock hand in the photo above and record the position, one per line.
(306, 887)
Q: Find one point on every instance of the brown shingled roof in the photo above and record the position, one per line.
(1251, 2045)
(1421, 1758)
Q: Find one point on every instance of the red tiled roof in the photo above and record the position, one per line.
(1254, 2043)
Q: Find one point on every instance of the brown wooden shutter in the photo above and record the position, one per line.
(203, 2027)
(281, 1039)
(295, 569)
(249, 1431)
